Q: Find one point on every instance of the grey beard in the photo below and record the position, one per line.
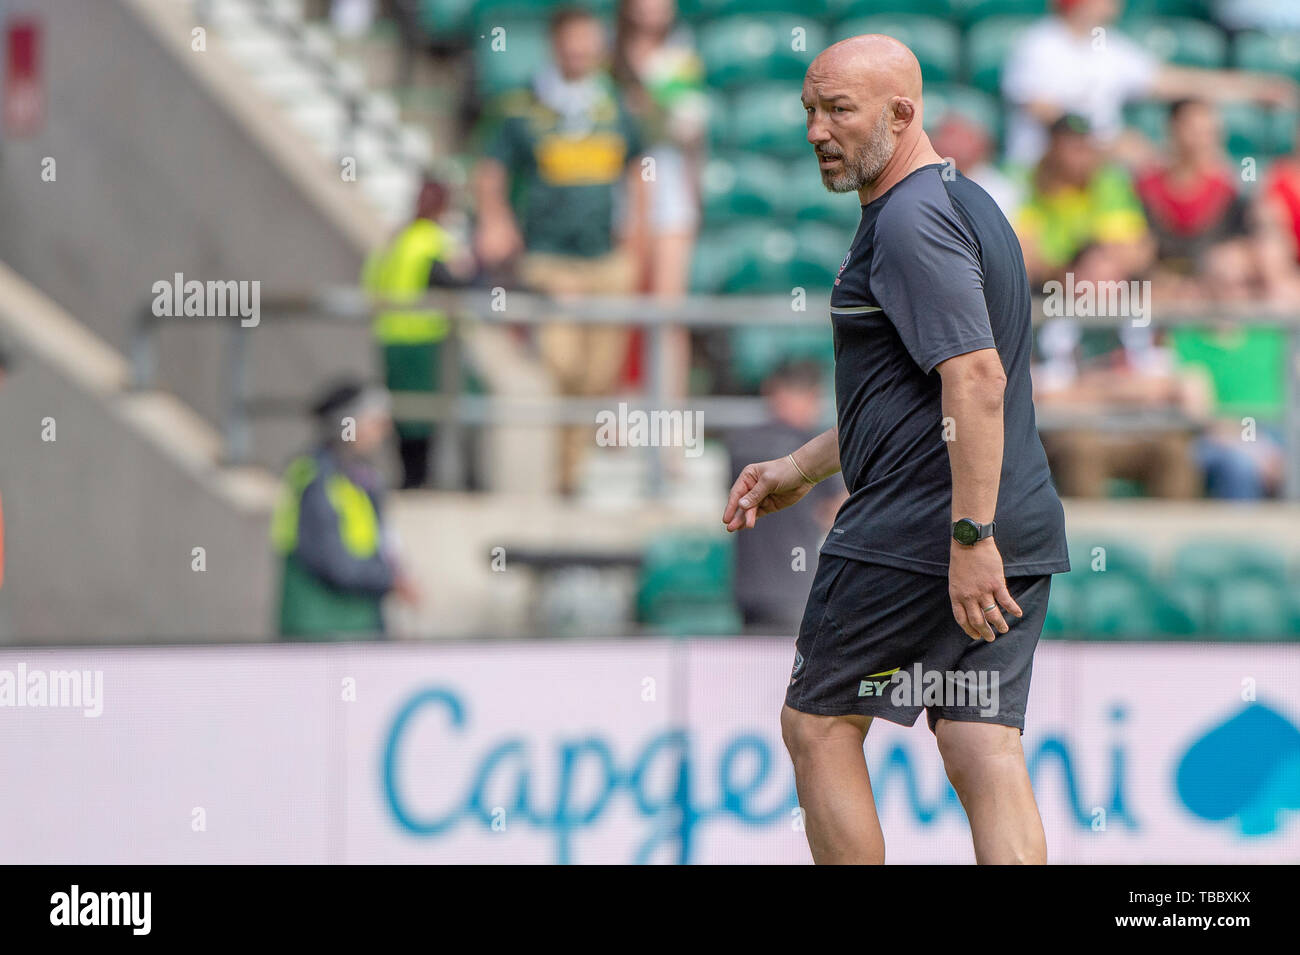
(866, 164)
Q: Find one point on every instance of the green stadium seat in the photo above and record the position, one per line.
(1206, 563)
(739, 184)
(975, 11)
(527, 49)
(803, 198)
(947, 10)
(686, 584)
(936, 43)
(1180, 40)
(741, 50)
(1118, 557)
(1268, 52)
(1254, 130)
(988, 45)
(777, 260)
(966, 101)
(446, 18)
(701, 12)
(1060, 619)
(757, 351)
(1149, 119)
(714, 260)
(1251, 609)
(1182, 610)
(1117, 607)
(765, 119)
(1192, 9)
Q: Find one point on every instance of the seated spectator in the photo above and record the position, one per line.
(1081, 214)
(1238, 372)
(337, 563)
(1191, 198)
(560, 160)
(1280, 202)
(775, 560)
(1062, 64)
(970, 147)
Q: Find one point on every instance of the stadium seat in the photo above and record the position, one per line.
(966, 101)
(1251, 608)
(1180, 40)
(527, 48)
(777, 260)
(756, 351)
(1254, 130)
(701, 12)
(1116, 607)
(1192, 9)
(741, 50)
(1060, 619)
(1182, 610)
(988, 45)
(765, 119)
(735, 185)
(1206, 563)
(976, 11)
(947, 10)
(1116, 557)
(685, 584)
(1268, 52)
(803, 198)
(936, 43)
(713, 260)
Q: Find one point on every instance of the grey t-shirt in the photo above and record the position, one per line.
(934, 271)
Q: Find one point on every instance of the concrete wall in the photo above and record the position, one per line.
(157, 174)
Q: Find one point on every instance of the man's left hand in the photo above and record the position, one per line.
(978, 589)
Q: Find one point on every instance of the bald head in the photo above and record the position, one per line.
(878, 64)
(862, 97)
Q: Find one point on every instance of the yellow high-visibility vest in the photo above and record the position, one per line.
(400, 272)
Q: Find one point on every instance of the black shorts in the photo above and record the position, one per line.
(880, 641)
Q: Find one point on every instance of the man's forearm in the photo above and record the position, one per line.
(820, 457)
(972, 410)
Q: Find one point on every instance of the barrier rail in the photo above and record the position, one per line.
(454, 411)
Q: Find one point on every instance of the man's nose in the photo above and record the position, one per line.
(817, 132)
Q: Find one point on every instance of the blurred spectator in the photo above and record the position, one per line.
(563, 149)
(969, 145)
(421, 256)
(1239, 375)
(1081, 376)
(1076, 61)
(1280, 205)
(327, 527)
(661, 79)
(775, 563)
(1081, 214)
(1191, 198)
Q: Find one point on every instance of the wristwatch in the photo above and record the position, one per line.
(966, 531)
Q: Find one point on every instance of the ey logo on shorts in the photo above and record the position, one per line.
(874, 685)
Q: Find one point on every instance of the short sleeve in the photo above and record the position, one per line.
(926, 276)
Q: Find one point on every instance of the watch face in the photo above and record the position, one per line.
(965, 532)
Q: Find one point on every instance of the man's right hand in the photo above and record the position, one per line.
(761, 489)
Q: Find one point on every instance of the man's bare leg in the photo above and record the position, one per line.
(986, 765)
(830, 773)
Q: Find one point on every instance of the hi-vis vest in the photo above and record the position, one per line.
(309, 607)
(358, 522)
(400, 272)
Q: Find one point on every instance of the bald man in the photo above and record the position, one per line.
(916, 605)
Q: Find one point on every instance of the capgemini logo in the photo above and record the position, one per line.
(1246, 770)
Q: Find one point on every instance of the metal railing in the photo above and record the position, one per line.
(454, 410)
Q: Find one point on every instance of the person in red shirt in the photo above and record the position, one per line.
(1192, 200)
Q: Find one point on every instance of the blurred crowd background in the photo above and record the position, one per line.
(642, 165)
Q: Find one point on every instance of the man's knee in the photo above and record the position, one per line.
(804, 733)
(969, 747)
